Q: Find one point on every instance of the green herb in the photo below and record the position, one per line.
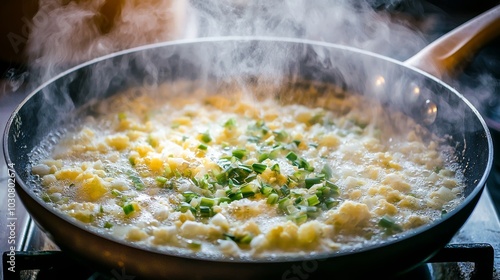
(202, 147)
(205, 201)
(327, 171)
(189, 195)
(292, 156)
(263, 157)
(108, 225)
(258, 167)
(239, 153)
(138, 183)
(312, 200)
(161, 179)
(272, 198)
(205, 137)
(247, 191)
(231, 123)
(122, 116)
(389, 223)
(206, 211)
(128, 208)
(312, 181)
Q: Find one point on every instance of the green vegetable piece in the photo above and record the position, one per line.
(312, 200)
(206, 211)
(161, 179)
(205, 137)
(205, 201)
(263, 157)
(327, 171)
(138, 183)
(259, 167)
(203, 147)
(231, 123)
(108, 225)
(272, 198)
(129, 208)
(239, 153)
(388, 223)
(312, 181)
(291, 156)
(247, 191)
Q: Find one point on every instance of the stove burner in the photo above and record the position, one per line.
(56, 264)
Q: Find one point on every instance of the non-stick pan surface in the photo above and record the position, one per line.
(210, 62)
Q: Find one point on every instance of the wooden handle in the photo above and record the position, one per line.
(444, 56)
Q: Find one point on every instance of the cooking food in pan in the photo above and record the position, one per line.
(248, 175)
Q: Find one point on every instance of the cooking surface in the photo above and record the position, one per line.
(483, 226)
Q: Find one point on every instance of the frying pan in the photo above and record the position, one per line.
(209, 62)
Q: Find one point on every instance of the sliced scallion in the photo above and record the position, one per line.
(259, 167)
(272, 198)
(313, 200)
(312, 181)
(127, 209)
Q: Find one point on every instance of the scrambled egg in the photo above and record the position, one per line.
(246, 176)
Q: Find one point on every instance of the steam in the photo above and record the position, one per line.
(66, 33)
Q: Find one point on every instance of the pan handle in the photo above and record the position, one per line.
(444, 56)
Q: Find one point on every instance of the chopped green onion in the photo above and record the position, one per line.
(298, 219)
(275, 168)
(116, 192)
(189, 195)
(230, 123)
(205, 201)
(296, 142)
(161, 179)
(291, 156)
(221, 178)
(138, 184)
(259, 167)
(108, 225)
(263, 157)
(302, 163)
(272, 198)
(312, 181)
(275, 152)
(202, 147)
(334, 189)
(312, 200)
(206, 211)
(224, 200)
(327, 171)
(245, 239)
(195, 245)
(129, 208)
(122, 116)
(331, 202)
(247, 191)
(266, 190)
(285, 190)
(234, 195)
(239, 153)
(280, 135)
(254, 139)
(131, 160)
(205, 137)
